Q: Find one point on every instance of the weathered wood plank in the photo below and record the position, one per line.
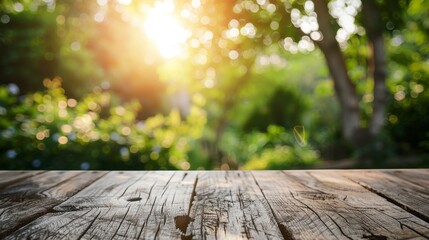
(406, 188)
(324, 205)
(8, 178)
(28, 199)
(127, 205)
(229, 205)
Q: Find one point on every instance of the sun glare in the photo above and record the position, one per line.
(165, 30)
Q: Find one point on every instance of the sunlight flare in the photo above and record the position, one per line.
(165, 30)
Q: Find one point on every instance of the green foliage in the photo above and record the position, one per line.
(409, 81)
(241, 66)
(50, 131)
(282, 157)
(408, 123)
(276, 148)
(285, 108)
(28, 42)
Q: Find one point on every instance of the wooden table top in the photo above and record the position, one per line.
(315, 204)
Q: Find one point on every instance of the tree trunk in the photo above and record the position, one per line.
(344, 87)
(374, 29)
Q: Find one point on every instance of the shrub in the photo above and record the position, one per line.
(50, 131)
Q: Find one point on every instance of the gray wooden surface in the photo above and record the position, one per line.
(315, 204)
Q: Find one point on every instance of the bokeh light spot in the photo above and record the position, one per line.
(63, 140)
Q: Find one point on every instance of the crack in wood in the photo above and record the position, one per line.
(194, 194)
(89, 226)
(374, 237)
(120, 224)
(339, 227)
(317, 195)
(182, 222)
(134, 199)
(314, 211)
(157, 231)
(286, 233)
(125, 190)
(75, 219)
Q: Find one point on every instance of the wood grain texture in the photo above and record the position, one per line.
(121, 205)
(406, 188)
(315, 204)
(25, 200)
(324, 205)
(229, 205)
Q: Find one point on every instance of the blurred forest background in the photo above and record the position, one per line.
(208, 84)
